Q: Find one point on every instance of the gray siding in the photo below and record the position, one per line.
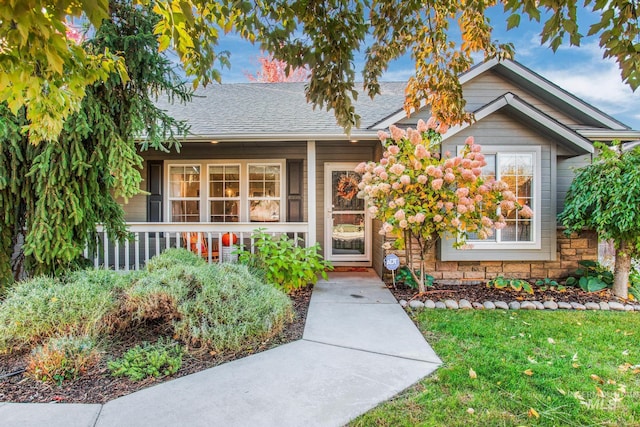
(489, 86)
(566, 168)
(500, 129)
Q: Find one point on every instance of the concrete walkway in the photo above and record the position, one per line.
(359, 349)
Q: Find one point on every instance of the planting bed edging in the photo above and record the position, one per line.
(464, 304)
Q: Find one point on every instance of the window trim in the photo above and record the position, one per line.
(211, 198)
(170, 198)
(205, 213)
(536, 199)
(281, 199)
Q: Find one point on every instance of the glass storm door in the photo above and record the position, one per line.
(347, 228)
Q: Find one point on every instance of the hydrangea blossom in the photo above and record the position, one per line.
(419, 195)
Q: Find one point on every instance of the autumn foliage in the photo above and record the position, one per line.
(419, 194)
(273, 70)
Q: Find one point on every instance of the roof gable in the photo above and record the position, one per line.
(574, 142)
(522, 77)
(544, 89)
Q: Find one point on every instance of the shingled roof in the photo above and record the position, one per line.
(280, 111)
(227, 110)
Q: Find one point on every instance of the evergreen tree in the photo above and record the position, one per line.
(52, 195)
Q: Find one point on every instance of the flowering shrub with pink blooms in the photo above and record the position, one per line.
(417, 194)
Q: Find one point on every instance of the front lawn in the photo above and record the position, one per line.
(523, 368)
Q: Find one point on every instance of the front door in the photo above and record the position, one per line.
(347, 226)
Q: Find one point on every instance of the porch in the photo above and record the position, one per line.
(206, 239)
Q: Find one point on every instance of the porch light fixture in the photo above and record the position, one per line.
(213, 141)
(353, 141)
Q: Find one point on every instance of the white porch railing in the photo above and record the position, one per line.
(152, 238)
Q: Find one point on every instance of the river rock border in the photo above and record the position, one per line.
(463, 304)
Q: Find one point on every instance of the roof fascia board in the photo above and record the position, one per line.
(279, 137)
(609, 135)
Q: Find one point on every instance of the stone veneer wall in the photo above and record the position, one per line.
(570, 250)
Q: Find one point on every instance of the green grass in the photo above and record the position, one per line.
(579, 365)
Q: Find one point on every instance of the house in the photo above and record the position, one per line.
(259, 156)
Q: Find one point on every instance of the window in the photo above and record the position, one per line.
(517, 171)
(519, 167)
(184, 193)
(264, 193)
(224, 193)
(236, 191)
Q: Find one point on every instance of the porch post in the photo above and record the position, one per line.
(311, 193)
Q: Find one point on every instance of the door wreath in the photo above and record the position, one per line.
(348, 186)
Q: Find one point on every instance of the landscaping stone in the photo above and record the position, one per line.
(488, 305)
(592, 306)
(538, 304)
(604, 306)
(514, 305)
(564, 306)
(528, 305)
(578, 306)
(465, 305)
(429, 304)
(550, 305)
(451, 304)
(501, 305)
(440, 305)
(628, 307)
(636, 307)
(477, 305)
(403, 303)
(416, 304)
(616, 306)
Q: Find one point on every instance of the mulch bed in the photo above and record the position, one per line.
(481, 293)
(97, 386)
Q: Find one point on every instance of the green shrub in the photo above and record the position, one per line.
(148, 360)
(286, 265)
(158, 294)
(548, 283)
(43, 307)
(591, 277)
(172, 257)
(232, 309)
(515, 284)
(403, 275)
(61, 359)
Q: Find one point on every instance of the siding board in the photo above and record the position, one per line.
(566, 172)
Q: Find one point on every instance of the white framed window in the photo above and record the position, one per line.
(226, 191)
(184, 193)
(520, 168)
(264, 192)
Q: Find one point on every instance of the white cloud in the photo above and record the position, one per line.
(597, 81)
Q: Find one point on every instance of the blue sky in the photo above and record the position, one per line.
(579, 70)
